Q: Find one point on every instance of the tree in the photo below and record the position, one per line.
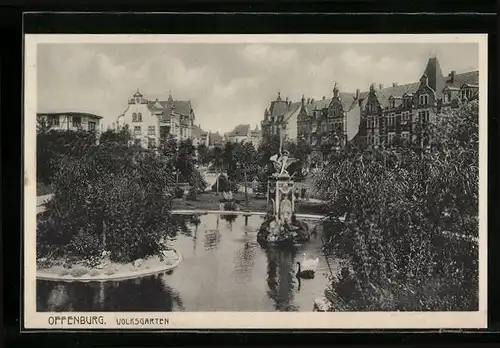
(203, 154)
(243, 164)
(123, 136)
(398, 203)
(52, 144)
(112, 197)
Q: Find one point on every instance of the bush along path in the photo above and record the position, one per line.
(403, 206)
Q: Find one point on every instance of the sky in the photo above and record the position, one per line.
(228, 84)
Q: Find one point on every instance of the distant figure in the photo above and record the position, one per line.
(296, 193)
(303, 193)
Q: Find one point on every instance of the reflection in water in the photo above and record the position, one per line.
(281, 278)
(244, 261)
(145, 294)
(222, 270)
(212, 239)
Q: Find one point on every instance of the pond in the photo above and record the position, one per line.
(223, 269)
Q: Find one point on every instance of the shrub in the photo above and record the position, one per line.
(179, 192)
(192, 194)
(398, 204)
(112, 197)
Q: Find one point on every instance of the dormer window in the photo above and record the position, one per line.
(392, 103)
(447, 96)
(407, 102)
(134, 117)
(137, 100)
(467, 93)
(423, 99)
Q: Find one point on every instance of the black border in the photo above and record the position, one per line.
(319, 22)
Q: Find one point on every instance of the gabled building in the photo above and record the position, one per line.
(244, 133)
(151, 121)
(215, 140)
(70, 121)
(329, 118)
(400, 112)
(280, 114)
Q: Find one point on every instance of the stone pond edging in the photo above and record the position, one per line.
(129, 274)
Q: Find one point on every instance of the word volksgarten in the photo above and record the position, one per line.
(142, 321)
(76, 320)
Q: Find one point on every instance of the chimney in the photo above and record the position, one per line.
(380, 86)
(357, 93)
(452, 76)
(289, 103)
(286, 99)
(312, 100)
(324, 98)
(308, 100)
(394, 84)
(372, 87)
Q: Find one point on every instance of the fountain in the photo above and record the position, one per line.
(281, 226)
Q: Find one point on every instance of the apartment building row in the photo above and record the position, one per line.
(374, 117)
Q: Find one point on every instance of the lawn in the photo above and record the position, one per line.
(210, 201)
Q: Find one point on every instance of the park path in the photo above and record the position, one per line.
(40, 202)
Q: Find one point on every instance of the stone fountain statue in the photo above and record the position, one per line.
(281, 224)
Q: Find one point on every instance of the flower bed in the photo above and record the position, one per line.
(112, 271)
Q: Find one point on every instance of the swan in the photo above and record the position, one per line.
(307, 268)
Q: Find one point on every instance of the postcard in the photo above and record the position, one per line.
(255, 181)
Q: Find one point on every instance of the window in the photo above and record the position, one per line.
(405, 136)
(376, 140)
(77, 121)
(137, 130)
(392, 103)
(53, 120)
(447, 97)
(390, 138)
(407, 102)
(405, 117)
(151, 143)
(134, 117)
(139, 117)
(372, 108)
(391, 120)
(151, 130)
(423, 99)
(91, 126)
(467, 93)
(424, 116)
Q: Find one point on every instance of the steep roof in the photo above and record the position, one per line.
(292, 110)
(471, 77)
(239, 130)
(197, 132)
(182, 107)
(346, 99)
(215, 137)
(278, 108)
(69, 113)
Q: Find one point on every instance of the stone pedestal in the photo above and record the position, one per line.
(280, 196)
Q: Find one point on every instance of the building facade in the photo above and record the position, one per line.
(150, 122)
(398, 114)
(244, 134)
(71, 121)
(316, 122)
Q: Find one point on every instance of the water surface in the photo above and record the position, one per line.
(223, 269)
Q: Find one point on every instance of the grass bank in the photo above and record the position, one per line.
(211, 201)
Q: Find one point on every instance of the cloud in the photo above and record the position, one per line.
(265, 56)
(227, 84)
(353, 59)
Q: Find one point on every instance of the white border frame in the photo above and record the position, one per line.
(249, 320)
